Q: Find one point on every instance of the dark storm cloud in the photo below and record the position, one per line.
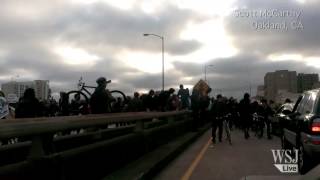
(153, 81)
(103, 25)
(29, 40)
(28, 43)
(305, 41)
(234, 76)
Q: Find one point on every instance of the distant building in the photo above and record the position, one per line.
(260, 91)
(281, 80)
(306, 81)
(41, 88)
(17, 89)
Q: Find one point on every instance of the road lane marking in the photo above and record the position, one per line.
(195, 162)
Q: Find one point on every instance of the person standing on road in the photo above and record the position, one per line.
(245, 114)
(195, 107)
(218, 111)
(266, 112)
(100, 99)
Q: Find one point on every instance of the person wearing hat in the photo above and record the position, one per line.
(101, 97)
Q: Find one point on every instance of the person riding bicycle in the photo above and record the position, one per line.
(101, 97)
(218, 111)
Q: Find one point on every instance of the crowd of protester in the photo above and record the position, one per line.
(100, 102)
(204, 108)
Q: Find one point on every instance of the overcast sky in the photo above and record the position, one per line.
(62, 40)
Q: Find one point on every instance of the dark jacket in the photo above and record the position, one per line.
(28, 108)
(150, 102)
(245, 109)
(100, 100)
(219, 109)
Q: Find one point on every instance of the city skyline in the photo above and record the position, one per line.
(65, 40)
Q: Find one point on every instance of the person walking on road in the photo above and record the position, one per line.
(245, 114)
(266, 112)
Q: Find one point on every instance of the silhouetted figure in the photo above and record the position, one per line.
(75, 104)
(101, 98)
(204, 103)
(53, 107)
(195, 107)
(64, 104)
(135, 104)
(78, 105)
(150, 101)
(118, 105)
(266, 112)
(257, 122)
(184, 97)
(28, 106)
(164, 99)
(174, 103)
(218, 114)
(245, 114)
(232, 109)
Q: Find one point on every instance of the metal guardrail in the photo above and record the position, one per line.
(39, 133)
(37, 126)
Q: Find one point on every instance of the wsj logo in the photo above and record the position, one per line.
(286, 160)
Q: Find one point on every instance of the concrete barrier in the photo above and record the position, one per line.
(91, 155)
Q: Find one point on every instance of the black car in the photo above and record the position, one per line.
(301, 129)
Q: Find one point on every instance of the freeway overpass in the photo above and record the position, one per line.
(143, 145)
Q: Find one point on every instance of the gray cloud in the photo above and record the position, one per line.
(234, 76)
(102, 25)
(104, 31)
(101, 29)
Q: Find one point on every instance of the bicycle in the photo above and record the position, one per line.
(258, 124)
(226, 126)
(85, 94)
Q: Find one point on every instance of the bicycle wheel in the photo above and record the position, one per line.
(117, 93)
(73, 94)
(81, 105)
(116, 106)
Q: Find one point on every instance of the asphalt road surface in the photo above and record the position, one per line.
(202, 161)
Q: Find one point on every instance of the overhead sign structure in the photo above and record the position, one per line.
(202, 87)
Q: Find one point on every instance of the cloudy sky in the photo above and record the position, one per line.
(62, 40)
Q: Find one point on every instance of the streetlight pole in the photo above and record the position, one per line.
(205, 71)
(162, 41)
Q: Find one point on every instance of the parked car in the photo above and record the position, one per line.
(279, 117)
(301, 129)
